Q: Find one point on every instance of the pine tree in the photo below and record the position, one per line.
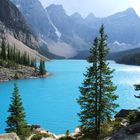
(42, 70)
(35, 65)
(16, 119)
(137, 88)
(3, 50)
(8, 52)
(25, 59)
(28, 60)
(14, 53)
(18, 57)
(97, 92)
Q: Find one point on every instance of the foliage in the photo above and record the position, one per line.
(134, 117)
(137, 88)
(97, 92)
(39, 136)
(3, 50)
(66, 138)
(16, 119)
(110, 128)
(42, 70)
(14, 56)
(67, 133)
(84, 138)
(128, 58)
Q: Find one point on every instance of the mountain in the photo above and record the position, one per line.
(37, 18)
(129, 57)
(14, 29)
(69, 36)
(123, 27)
(40, 22)
(74, 31)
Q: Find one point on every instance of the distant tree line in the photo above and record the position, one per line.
(12, 55)
(129, 59)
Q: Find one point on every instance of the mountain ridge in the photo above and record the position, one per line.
(15, 31)
(74, 34)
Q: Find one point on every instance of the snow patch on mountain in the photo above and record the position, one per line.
(122, 16)
(58, 33)
(118, 43)
(18, 5)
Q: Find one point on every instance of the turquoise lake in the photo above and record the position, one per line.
(51, 102)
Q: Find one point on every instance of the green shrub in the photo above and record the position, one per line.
(39, 136)
(134, 117)
(67, 133)
(66, 138)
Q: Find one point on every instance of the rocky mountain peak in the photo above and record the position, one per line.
(37, 18)
(90, 16)
(130, 10)
(56, 8)
(128, 13)
(14, 28)
(76, 15)
(11, 17)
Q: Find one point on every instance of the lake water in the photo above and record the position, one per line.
(51, 102)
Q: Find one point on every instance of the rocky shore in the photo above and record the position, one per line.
(20, 72)
(10, 136)
(130, 132)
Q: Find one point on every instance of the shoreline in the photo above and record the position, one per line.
(31, 77)
(20, 73)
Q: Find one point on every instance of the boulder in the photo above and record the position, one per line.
(133, 129)
(9, 136)
(131, 132)
(124, 113)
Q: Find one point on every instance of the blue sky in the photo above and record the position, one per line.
(100, 8)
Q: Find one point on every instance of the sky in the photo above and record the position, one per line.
(100, 8)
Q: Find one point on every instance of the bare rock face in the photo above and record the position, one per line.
(12, 21)
(133, 129)
(131, 132)
(9, 136)
(20, 72)
(37, 18)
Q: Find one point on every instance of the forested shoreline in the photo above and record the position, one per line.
(15, 64)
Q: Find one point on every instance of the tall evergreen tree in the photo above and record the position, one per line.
(35, 65)
(97, 92)
(42, 70)
(8, 52)
(14, 56)
(14, 53)
(18, 57)
(3, 50)
(137, 88)
(16, 119)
